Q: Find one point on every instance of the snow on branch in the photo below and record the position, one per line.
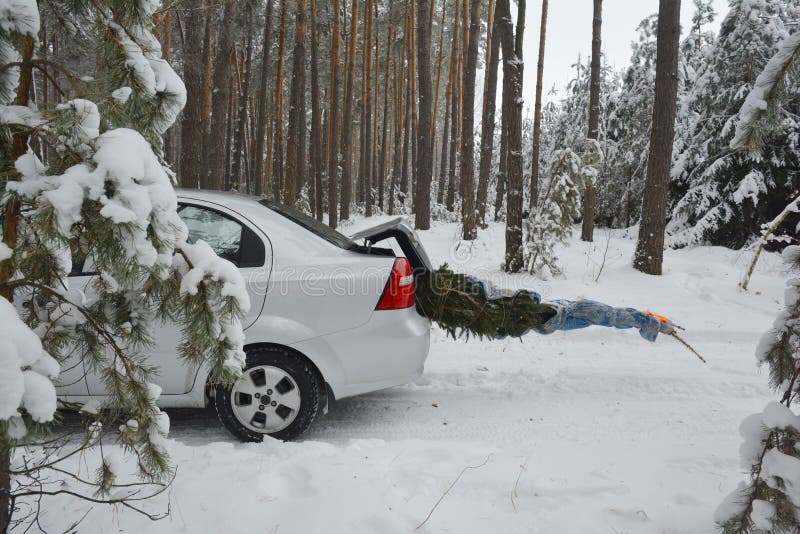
(19, 16)
(26, 371)
(748, 135)
(154, 75)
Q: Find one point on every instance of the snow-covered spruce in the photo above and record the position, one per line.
(770, 501)
(558, 208)
(106, 198)
(26, 371)
(17, 18)
(749, 134)
(719, 195)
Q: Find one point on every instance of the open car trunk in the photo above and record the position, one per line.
(406, 238)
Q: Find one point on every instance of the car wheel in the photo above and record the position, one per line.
(278, 395)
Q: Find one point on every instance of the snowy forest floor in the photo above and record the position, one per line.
(594, 430)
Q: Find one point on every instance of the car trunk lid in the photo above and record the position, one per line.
(406, 238)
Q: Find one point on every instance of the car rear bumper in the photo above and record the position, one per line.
(389, 350)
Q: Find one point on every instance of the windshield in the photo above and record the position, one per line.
(312, 225)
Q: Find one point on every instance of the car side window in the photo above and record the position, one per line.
(226, 237)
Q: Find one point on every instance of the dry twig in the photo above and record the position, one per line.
(451, 487)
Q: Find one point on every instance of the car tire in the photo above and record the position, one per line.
(233, 409)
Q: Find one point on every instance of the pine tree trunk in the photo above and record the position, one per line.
(347, 121)
(537, 115)
(487, 122)
(512, 110)
(217, 172)
(238, 177)
(455, 59)
(468, 123)
(424, 131)
(209, 14)
(5, 486)
(317, 147)
(277, 129)
(233, 90)
(257, 177)
(295, 164)
(502, 171)
(385, 124)
(398, 134)
(191, 132)
(587, 228)
(249, 142)
(166, 36)
(439, 62)
(650, 245)
(376, 103)
(406, 106)
(365, 177)
(412, 69)
(11, 214)
(333, 121)
(448, 94)
(359, 183)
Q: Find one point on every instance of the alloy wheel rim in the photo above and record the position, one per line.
(265, 399)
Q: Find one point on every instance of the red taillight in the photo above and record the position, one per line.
(399, 290)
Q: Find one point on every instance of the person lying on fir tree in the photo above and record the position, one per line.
(464, 305)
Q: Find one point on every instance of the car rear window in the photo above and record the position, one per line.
(312, 225)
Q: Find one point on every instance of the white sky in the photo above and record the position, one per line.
(569, 33)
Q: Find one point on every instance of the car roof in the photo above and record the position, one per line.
(226, 198)
(281, 228)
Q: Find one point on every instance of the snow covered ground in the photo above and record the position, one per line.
(594, 430)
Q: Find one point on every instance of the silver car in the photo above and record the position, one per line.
(330, 317)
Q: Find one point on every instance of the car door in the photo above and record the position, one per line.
(231, 239)
(76, 378)
(234, 240)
